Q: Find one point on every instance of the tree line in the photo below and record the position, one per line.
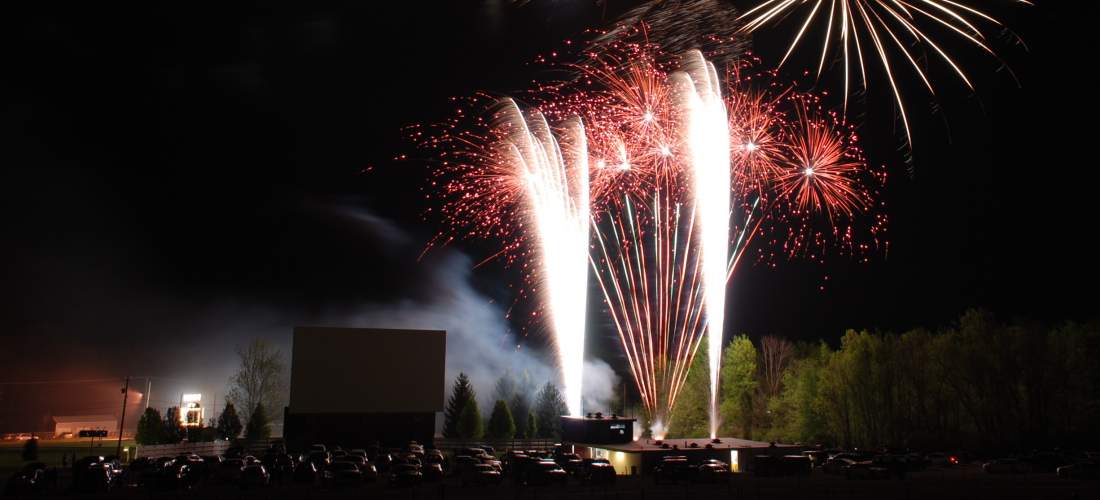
(977, 384)
(259, 385)
(514, 415)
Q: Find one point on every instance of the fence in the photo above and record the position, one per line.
(499, 445)
(170, 450)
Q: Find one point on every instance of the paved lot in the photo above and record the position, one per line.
(965, 483)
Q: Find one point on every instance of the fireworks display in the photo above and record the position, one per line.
(674, 168)
(889, 31)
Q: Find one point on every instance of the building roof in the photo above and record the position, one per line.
(644, 445)
(85, 418)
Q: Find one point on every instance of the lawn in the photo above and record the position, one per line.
(50, 451)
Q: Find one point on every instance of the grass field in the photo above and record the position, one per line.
(50, 451)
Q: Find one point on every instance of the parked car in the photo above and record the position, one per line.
(342, 474)
(546, 472)
(673, 469)
(29, 481)
(571, 462)
(866, 469)
(596, 471)
(836, 465)
(254, 476)
(305, 473)
(713, 471)
(405, 475)
(1006, 466)
(1080, 470)
(229, 471)
(480, 474)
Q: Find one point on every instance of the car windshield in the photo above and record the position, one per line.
(483, 467)
(343, 466)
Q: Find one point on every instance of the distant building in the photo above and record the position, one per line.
(71, 426)
(357, 386)
(597, 436)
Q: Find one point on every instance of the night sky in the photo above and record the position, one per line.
(180, 177)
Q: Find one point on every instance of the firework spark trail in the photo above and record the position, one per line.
(891, 26)
(708, 141)
(677, 172)
(555, 176)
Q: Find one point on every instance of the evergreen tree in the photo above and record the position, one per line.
(229, 423)
(172, 431)
(259, 425)
(549, 408)
(501, 425)
(532, 426)
(461, 394)
(469, 421)
(150, 429)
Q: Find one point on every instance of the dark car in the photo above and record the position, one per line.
(94, 478)
(342, 474)
(433, 472)
(1080, 470)
(254, 476)
(229, 471)
(178, 474)
(382, 462)
(673, 470)
(546, 472)
(1006, 466)
(462, 462)
(571, 462)
(306, 473)
(597, 471)
(713, 471)
(405, 475)
(479, 474)
(866, 470)
(26, 482)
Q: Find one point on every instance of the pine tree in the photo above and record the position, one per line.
(259, 425)
(171, 431)
(532, 426)
(229, 423)
(461, 395)
(469, 421)
(150, 429)
(501, 425)
(549, 408)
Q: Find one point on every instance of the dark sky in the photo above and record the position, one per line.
(171, 168)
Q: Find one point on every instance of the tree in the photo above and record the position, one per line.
(469, 421)
(549, 407)
(738, 387)
(229, 423)
(691, 416)
(532, 426)
(461, 394)
(171, 430)
(501, 425)
(30, 450)
(150, 428)
(260, 377)
(505, 387)
(520, 404)
(775, 355)
(259, 425)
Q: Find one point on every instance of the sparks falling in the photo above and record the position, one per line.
(677, 172)
(890, 31)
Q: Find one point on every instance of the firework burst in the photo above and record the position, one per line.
(881, 29)
(686, 167)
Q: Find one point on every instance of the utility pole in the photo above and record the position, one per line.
(148, 391)
(122, 421)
